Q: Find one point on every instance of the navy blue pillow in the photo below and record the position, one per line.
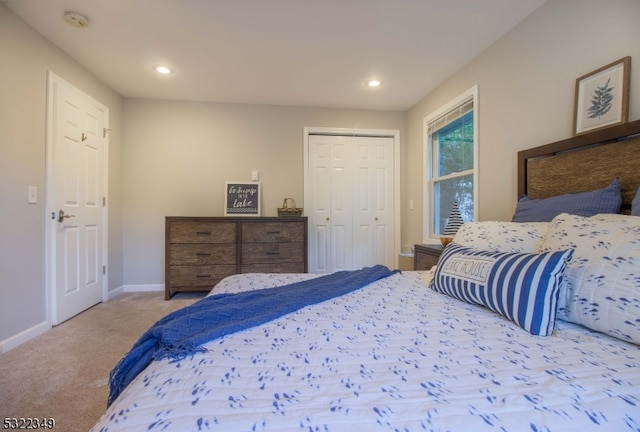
(522, 287)
(607, 200)
(635, 204)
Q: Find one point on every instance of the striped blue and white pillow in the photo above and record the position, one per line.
(522, 287)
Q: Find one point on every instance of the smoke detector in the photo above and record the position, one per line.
(75, 19)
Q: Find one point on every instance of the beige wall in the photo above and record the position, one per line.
(26, 58)
(526, 93)
(179, 154)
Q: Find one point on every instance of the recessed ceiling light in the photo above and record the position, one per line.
(163, 70)
(373, 83)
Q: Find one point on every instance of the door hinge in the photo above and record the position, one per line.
(104, 270)
(104, 201)
(104, 132)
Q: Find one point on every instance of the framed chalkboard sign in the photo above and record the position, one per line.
(242, 199)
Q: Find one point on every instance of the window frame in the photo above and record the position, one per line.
(429, 157)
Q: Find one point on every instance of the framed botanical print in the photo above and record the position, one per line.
(602, 97)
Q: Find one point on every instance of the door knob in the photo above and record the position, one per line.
(62, 216)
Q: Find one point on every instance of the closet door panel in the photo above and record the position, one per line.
(319, 213)
(341, 186)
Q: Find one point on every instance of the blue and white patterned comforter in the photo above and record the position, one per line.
(393, 356)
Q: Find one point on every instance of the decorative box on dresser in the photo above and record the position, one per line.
(426, 255)
(201, 251)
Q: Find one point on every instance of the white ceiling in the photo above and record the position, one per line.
(315, 53)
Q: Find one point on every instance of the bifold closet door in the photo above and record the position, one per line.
(351, 213)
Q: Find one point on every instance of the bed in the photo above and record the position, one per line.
(425, 350)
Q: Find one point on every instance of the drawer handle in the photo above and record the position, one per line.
(273, 253)
(204, 276)
(273, 232)
(202, 254)
(203, 232)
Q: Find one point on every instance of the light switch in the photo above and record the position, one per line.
(32, 195)
(255, 175)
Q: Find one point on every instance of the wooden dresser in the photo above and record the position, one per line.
(201, 251)
(426, 256)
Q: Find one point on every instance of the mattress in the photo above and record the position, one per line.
(392, 356)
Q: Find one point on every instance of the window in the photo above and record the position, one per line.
(450, 162)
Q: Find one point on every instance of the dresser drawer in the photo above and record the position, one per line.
(202, 232)
(264, 253)
(199, 276)
(288, 267)
(273, 232)
(202, 253)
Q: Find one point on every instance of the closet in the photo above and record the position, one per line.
(350, 201)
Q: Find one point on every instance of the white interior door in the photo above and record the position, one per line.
(76, 199)
(340, 211)
(350, 202)
(373, 202)
(328, 229)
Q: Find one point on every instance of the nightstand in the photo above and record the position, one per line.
(426, 256)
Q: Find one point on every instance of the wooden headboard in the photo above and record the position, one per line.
(583, 163)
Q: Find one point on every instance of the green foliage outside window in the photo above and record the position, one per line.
(455, 155)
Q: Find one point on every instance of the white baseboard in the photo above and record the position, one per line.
(24, 336)
(143, 288)
(114, 292)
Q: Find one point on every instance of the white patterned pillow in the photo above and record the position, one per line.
(522, 287)
(602, 282)
(502, 236)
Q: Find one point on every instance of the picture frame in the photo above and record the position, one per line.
(242, 199)
(602, 97)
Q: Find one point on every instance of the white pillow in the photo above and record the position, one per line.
(602, 282)
(502, 236)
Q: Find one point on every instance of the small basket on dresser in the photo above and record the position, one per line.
(289, 208)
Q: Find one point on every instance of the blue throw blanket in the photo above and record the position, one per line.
(183, 332)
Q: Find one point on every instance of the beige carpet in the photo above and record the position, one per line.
(63, 374)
